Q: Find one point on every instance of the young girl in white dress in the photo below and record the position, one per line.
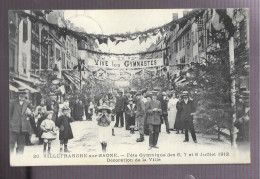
(104, 125)
(49, 131)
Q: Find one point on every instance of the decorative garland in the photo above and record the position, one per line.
(116, 38)
(123, 54)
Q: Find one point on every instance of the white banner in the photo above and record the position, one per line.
(142, 63)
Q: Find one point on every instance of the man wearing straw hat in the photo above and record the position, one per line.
(188, 108)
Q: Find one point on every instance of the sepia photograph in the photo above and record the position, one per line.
(129, 87)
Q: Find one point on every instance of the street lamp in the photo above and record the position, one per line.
(55, 70)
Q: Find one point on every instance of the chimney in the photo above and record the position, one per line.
(185, 13)
(174, 16)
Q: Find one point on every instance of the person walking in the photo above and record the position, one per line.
(19, 110)
(49, 131)
(153, 112)
(63, 123)
(119, 109)
(104, 126)
(188, 108)
(130, 114)
(140, 115)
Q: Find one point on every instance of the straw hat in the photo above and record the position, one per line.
(185, 93)
(104, 107)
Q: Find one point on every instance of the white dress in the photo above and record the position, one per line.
(104, 132)
(50, 127)
(172, 112)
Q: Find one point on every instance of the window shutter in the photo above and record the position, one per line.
(208, 36)
(25, 31)
(192, 38)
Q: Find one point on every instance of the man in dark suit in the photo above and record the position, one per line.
(19, 126)
(119, 108)
(164, 104)
(153, 112)
(188, 108)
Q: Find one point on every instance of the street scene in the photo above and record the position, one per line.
(117, 87)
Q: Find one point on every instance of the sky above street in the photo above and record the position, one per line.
(121, 21)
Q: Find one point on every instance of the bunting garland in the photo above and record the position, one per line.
(115, 38)
(123, 54)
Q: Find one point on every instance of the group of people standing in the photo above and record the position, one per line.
(45, 120)
(148, 110)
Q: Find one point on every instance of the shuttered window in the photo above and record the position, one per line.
(25, 31)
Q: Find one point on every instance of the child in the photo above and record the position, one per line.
(130, 112)
(49, 131)
(63, 122)
(104, 127)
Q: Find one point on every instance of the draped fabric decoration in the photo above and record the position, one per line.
(124, 54)
(117, 38)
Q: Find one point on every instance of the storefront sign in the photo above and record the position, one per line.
(142, 63)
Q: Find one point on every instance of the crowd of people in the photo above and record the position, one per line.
(143, 111)
(146, 111)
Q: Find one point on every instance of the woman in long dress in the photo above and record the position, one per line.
(172, 111)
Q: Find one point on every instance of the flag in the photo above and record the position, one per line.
(112, 39)
(141, 39)
(102, 40)
(162, 31)
(215, 20)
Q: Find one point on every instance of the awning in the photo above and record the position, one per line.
(181, 82)
(12, 88)
(73, 79)
(32, 90)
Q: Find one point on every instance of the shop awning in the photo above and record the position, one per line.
(23, 85)
(12, 88)
(181, 82)
(73, 79)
